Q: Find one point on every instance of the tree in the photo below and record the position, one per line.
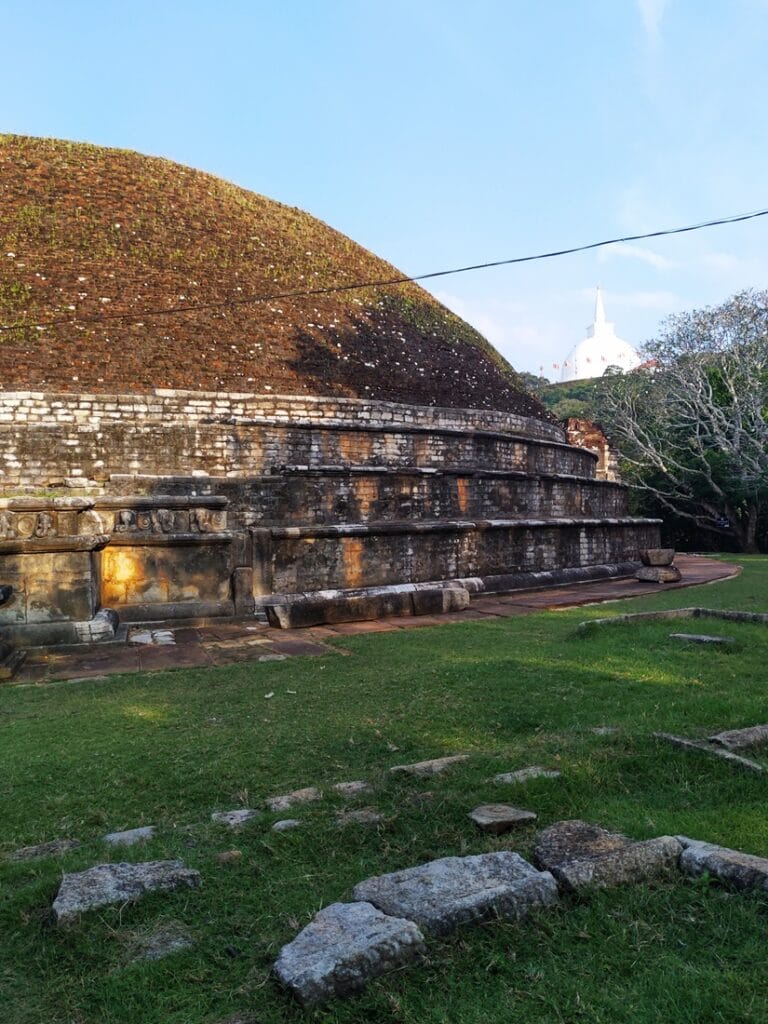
(693, 431)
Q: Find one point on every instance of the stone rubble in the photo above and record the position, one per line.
(130, 837)
(702, 638)
(159, 637)
(739, 870)
(436, 766)
(742, 739)
(579, 854)
(298, 796)
(525, 775)
(353, 789)
(453, 891)
(343, 948)
(163, 941)
(709, 748)
(236, 818)
(362, 816)
(118, 883)
(286, 825)
(658, 574)
(499, 818)
(52, 849)
(657, 556)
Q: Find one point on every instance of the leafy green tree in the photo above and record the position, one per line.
(568, 407)
(693, 430)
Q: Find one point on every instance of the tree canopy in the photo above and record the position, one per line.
(692, 429)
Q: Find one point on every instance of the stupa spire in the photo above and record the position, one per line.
(599, 307)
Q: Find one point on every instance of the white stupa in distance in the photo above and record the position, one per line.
(600, 349)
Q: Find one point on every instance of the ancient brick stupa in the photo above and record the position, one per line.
(194, 422)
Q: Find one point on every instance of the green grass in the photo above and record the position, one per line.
(80, 759)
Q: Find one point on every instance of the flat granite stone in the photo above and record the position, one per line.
(353, 789)
(525, 775)
(740, 870)
(742, 739)
(426, 768)
(298, 796)
(118, 883)
(286, 825)
(130, 837)
(52, 849)
(343, 948)
(499, 818)
(453, 891)
(579, 854)
(236, 818)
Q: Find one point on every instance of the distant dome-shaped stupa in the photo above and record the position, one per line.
(600, 349)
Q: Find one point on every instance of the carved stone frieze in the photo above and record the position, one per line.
(206, 520)
(26, 525)
(7, 531)
(166, 520)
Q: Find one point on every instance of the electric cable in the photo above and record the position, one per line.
(384, 282)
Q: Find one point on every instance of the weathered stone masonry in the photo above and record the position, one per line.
(180, 503)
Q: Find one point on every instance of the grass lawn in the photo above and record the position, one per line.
(168, 748)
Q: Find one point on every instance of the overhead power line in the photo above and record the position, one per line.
(386, 282)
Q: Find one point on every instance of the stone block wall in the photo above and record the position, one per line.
(294, 560)
(49, 439)
(184, 504)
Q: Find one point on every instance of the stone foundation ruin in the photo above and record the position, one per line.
(209, 407)
(181, 505)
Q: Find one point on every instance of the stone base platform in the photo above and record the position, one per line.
(204, 645)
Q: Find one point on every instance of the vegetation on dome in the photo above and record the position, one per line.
(90, 233)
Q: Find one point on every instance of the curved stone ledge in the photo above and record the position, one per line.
(280, 408)
(80, 440)
(139, 540)
(476, 585)
(441, 526)
(51, 545)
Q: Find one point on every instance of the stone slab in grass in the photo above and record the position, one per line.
(118, 883)
(702, 638)
(169, 938)
(425, 768)
(286, 825)
(709, 748)
(362, 816)
(298, 796)
(742, 739)
(130, 836)
(444, 894)
(352, 789)
(236, 818)
(343, 948)
(499, 818)
(55, 848)
(526, 774)
(737, 869)
(579, 854)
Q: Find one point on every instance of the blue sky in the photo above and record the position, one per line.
(444, 132)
